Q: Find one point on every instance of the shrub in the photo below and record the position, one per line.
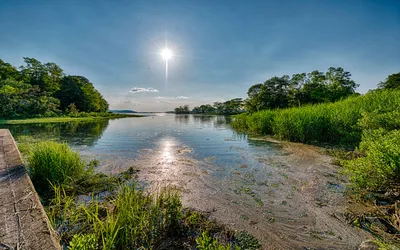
(206, 242)
(53, 162)
(380, 168)
(376, 120)
(83, 242)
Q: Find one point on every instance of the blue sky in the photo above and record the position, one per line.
(221, 47)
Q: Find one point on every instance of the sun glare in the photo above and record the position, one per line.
(166, 54)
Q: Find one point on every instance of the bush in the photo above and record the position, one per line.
(376, 120)
(206, 242)
(83, 242)
(54, 163)
(380, 168)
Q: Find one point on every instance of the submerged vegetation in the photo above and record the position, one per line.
(119, 214)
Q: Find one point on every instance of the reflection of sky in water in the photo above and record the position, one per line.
(209, 137)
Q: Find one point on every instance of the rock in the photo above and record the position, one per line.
(368, 245)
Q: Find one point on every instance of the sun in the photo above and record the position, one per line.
(166, 54)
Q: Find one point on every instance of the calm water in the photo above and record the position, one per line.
(245, 183)
(208, 138)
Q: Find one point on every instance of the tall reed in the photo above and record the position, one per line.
(336, 123)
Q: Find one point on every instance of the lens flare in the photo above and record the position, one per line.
(166, 54)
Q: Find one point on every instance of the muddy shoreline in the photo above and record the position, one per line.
(291, 200)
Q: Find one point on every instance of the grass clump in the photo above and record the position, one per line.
(53, 162)
(132, 218)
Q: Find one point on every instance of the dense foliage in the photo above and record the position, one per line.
(300, 89)
(283, 92)
(38, 89)
(392, 82)
(230, 107)
(379, 170)
(182, 110)
(336, 123)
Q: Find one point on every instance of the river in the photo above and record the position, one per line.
(288, 195)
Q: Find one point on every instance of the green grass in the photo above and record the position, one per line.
(132, 218)
(339, 123)
(91, 117)
(54, 163)
(124, 217)
(370, 124)
(379, 169)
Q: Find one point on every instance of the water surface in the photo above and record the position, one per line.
(284, 195)
(207, 138)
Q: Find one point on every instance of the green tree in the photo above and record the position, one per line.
(39, 89)
(314, 87)
(182, 110)
(18, 99)
(340, 85)
(255, 102)
(392, 82)
(7, 71)
(79, 91)
(46, 76)
(273, 93)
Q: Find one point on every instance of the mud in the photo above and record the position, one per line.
(291, 200)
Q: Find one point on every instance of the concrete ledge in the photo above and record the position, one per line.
(23, 221)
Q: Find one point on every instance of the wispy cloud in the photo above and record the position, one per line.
(134, 103)
(171, 97)
(160, 101)
(139, 90)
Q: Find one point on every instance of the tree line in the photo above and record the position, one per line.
(231, 107)
(300, 89)
(43, 89)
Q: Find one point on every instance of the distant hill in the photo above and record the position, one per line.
(124, 111)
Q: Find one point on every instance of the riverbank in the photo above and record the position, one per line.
(366, 129)
(290, 199)
(89, 210)
(65, 119)
(275, 192)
